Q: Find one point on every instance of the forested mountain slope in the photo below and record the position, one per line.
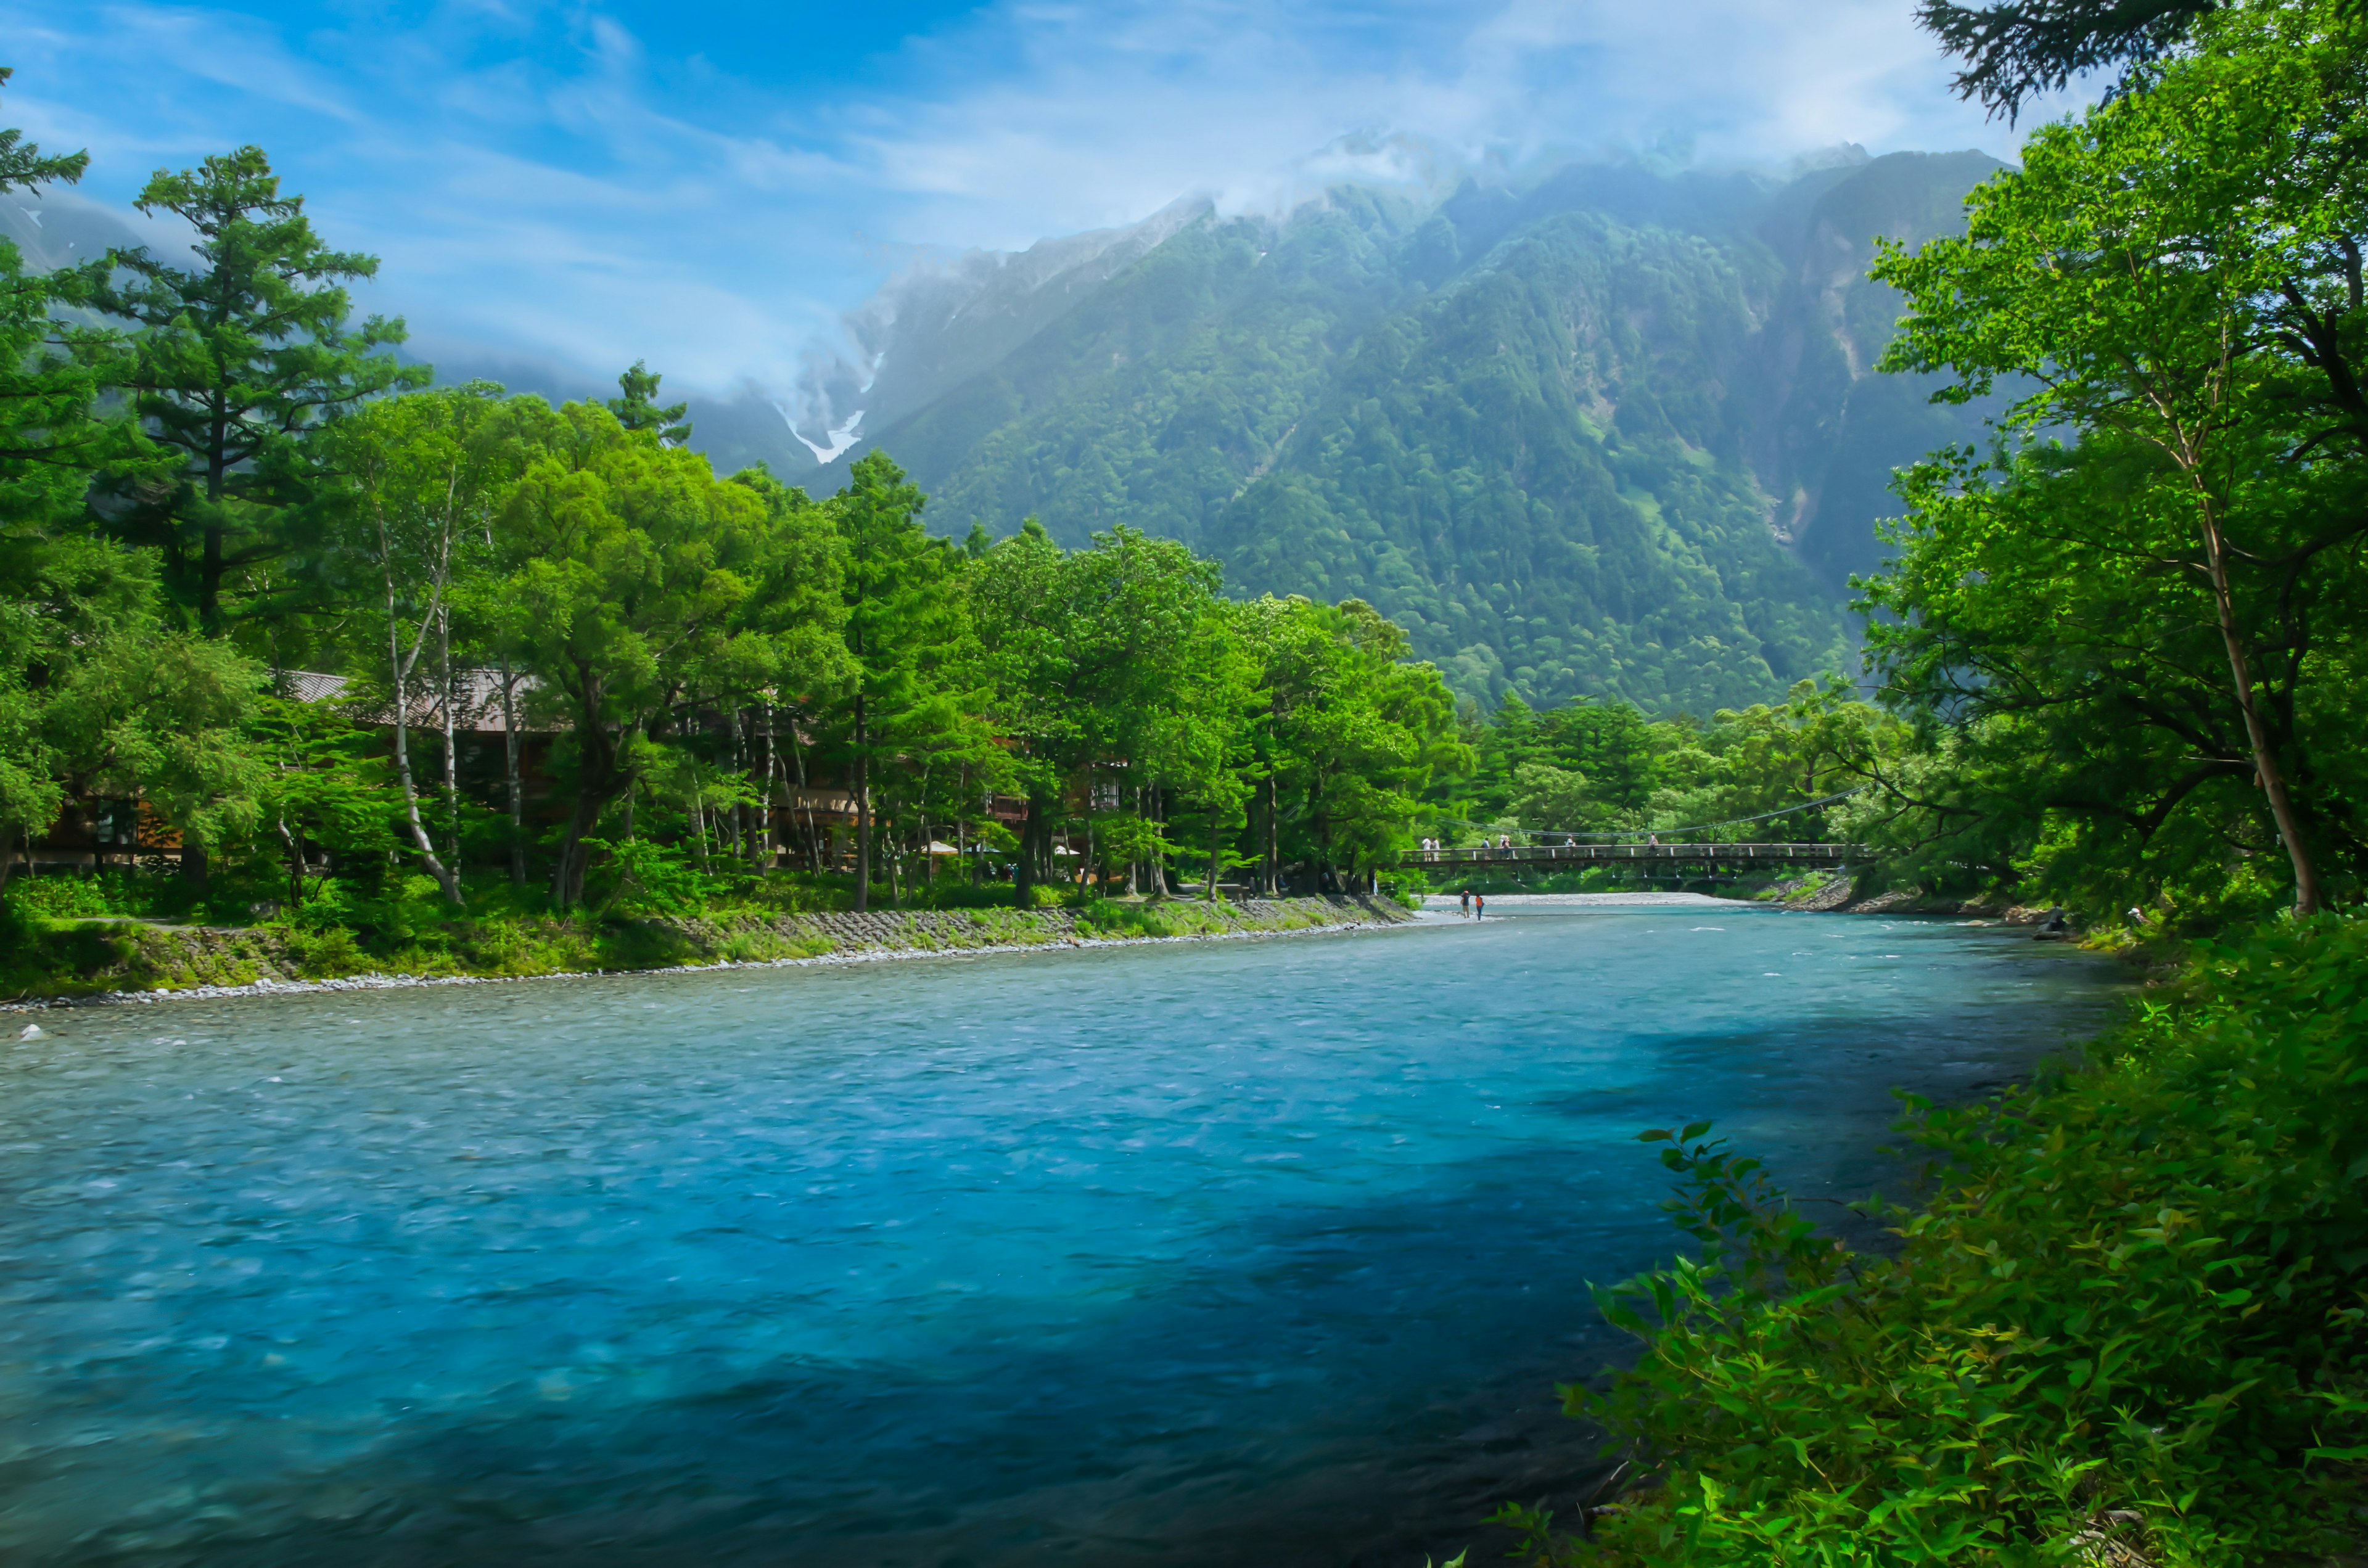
(1615, 434)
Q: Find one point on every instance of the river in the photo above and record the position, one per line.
(1195, 1253)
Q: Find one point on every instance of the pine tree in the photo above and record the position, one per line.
(639, 410)
(238, 357)
(2013, 50)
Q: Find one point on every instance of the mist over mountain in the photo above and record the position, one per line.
(1615, 433)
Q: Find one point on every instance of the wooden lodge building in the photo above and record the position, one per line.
(810, 819)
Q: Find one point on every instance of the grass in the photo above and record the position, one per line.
(80, 935)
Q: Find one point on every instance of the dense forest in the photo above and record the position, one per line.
(223, 489)
(349, 639)
(346, 647)
(290, 635)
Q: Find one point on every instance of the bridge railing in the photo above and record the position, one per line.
(1584, 854)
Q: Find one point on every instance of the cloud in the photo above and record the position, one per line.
(588, 183)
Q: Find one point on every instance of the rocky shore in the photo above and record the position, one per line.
(1823, 894)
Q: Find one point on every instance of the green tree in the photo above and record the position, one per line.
(425, 475)
(799, 606)
(62, 593)
(638, 408)
(238, 359)
(905, 627)
(628, 588)
(1092, 656)
(324, 792)
(2015, 48)
(1354, 735)
(163, 720)
(1546, 797)
(2176, 278)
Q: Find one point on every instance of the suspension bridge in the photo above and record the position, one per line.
(1739, 857)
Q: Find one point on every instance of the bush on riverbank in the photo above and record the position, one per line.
(71, 939)
(2132, 1327)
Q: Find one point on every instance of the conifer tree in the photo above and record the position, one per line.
(639, 410)
(52, 373)
(237, 357)
(2014, 50)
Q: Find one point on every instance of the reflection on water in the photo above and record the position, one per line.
(1241, 1253)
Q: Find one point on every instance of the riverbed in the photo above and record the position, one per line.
(1247, 1253)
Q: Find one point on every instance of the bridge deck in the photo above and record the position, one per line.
(1652, 854)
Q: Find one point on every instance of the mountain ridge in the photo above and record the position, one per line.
(1614, 434)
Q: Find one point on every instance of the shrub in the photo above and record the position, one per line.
(320, 955)
(2129, 1328)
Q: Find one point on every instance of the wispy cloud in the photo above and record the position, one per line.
(584, 183)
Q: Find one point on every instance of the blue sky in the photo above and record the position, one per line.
(708, 185)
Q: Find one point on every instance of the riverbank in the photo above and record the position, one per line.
(2126, 1329)
(100, 963)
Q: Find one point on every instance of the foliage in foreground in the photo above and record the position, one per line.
(2129, 1328)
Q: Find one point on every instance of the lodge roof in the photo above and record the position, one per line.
(476, 700)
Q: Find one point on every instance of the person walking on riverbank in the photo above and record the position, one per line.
(1465, 909)
(1479, 907)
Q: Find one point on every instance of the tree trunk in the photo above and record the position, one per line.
(420, 836)
(1324, 881)
(862, 812)
(767, 849)
(451, 758)
(1158, 862)
(209, 549)
(295, 864)
(1216, 850)
(805, 796)
(1273, 841)
(599, 782)
(962, 827)
(512, 775)
(2265, 757)
(1023, 874)
(399, 667)
(574, 855)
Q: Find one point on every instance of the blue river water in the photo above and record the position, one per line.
(1196, 1254)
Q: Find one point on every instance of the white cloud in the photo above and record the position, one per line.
(540, 179)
